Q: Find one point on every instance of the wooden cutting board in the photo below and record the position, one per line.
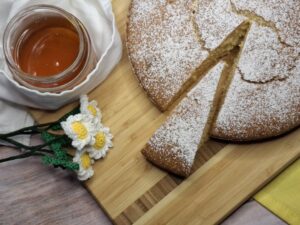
(131, 190)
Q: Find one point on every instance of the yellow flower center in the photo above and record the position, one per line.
(85, 161)
(99, 140)
(80, 130)
(92, 110)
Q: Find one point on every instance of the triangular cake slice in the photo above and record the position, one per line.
(174, 145)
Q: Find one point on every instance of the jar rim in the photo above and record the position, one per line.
(56, 77)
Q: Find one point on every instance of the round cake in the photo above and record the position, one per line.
(173, 43)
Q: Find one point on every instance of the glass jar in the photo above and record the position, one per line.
(48, 49)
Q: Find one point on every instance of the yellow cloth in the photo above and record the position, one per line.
(282, 196)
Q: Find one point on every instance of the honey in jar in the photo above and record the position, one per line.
(48, 49)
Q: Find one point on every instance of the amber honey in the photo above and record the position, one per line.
(48, 49)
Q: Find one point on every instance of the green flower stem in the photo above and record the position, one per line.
(27, 130)
(37, 147)
(31, 150)
(21, 156)
(46, 151)
(60, 137)
(17, 145)
(49, 154)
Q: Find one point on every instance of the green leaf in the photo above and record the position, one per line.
(58, 151)
(56, 127)
(64, 164)
(63, 139)
(47, 137)
(57, 146)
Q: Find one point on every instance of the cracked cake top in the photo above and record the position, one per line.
(163, 47)
(169, 39)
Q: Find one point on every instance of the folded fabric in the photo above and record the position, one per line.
(282, 196)
(13, 117)
(98, 18)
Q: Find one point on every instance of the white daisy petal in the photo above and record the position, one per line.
(85, 165)
(90, 108)
(85, 175)
(103, 142)
(80, 129)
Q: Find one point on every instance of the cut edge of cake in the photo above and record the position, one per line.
(230, 61)
(214, 56)
(229, 44)
(163, 154)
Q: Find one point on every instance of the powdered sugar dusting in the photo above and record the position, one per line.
(264, 58)
(181, 134)
(252, 111)
(263, 99)
(215, 21)
(163, 46)
(283, 13)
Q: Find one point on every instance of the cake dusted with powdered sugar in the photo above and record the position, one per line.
(171, 43)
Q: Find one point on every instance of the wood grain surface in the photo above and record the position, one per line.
(132, 190)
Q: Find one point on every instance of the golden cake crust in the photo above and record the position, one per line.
(263, 100)
(174, 145)
(170, 162)
(162, 47)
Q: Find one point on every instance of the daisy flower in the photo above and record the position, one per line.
(85, 165)
(103, 142)
(80, 129)
(90, 108)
